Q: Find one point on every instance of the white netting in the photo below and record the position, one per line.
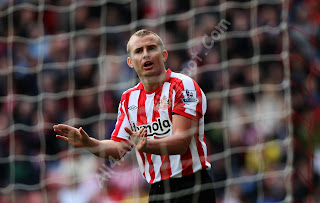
(65, 62)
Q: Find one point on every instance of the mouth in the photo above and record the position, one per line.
(147, 64)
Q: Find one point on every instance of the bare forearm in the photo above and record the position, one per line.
(107, 149)
(177, 144)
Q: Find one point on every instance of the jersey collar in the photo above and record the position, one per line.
(166, 79)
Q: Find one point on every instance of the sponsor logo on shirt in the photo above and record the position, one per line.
(164, 103)
(159, 128)
(190, 96)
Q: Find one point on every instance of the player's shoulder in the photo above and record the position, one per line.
(181, 79)
(180, 76)
(126, 93)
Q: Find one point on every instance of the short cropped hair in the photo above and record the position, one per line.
(144, 32)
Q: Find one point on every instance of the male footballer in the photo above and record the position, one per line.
(163, 116)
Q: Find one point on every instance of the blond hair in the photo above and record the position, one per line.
(144, 32)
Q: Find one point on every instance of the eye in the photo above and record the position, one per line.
(138, 51)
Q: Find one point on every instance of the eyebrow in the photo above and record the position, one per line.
(151, 45)
(137, 49)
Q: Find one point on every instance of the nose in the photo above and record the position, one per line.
(146, 54)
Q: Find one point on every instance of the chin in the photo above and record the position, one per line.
(148, 71)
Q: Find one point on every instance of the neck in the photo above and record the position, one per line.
(153, 82)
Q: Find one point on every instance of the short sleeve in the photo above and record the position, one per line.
(189, 100)
(119, 134)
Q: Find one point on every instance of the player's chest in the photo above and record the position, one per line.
(153, 113)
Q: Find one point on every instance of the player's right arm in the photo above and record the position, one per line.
(108, 149)
(115, 148)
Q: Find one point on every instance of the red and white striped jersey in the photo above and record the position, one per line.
(153, 110)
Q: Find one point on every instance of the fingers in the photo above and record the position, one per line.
(64, 127)
(61, 132)
(143, 132)
(144, 140)
(128, 130)
(143, 136)
(67, 133)
(62, 138)
(83, 132)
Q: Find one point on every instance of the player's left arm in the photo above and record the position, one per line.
(178, 143)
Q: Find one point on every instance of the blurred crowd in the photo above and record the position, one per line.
(64, 61)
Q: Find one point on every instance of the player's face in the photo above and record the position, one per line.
(146, 56)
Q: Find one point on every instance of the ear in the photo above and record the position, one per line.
(165, 55)
(129, 62)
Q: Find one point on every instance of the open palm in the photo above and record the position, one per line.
(74, 136)
(139, 138)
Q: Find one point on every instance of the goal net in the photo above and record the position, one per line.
(65, 62)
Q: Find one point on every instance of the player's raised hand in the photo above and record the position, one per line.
(139, 138)
(74, 136)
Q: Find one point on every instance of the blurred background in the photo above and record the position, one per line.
(64, 61)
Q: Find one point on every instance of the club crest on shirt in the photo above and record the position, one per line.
(164, 103)
(190, 96)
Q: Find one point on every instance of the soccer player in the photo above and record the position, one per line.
(163, 116)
